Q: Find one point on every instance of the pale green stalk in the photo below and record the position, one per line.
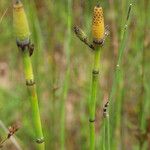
(92, 102)
(28, 71)
(67, 76)
(22, 33)
(143, 100)
(107, 138)
(116, 81)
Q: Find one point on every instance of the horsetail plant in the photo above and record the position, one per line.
(115, 109)
(22, 34)
(99, 35)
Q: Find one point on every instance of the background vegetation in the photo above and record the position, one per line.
(62, 67)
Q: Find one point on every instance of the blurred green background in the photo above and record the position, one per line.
(57, 49)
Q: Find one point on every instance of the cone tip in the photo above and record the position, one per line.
(98, 5)
(16, 2)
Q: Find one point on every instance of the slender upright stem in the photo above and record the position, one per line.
(92, 103)
(107, 134)
(104, 135)
(116, 80)
(143, 100)
(65, 91)
(67, 75)
(28, 71)
(22, 34)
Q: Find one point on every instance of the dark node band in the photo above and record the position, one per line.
(26, 44)
(39, 141)
(95, 72)
(91, 120)
(23, 44)
(98, 5)
(30, 83)
(99, 42)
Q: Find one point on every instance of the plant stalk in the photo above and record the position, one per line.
(107, 138)
(116, 81)
(92, 103)
(28, 71)
(67, 76)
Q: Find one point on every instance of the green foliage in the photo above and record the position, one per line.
(64, 96)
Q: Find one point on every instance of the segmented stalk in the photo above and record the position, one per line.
(115, 117)
(30, 83)
(98, 34)
(22, 34)
(92, 103)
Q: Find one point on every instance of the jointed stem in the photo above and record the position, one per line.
(28, 71)
(92, 103)
(117, 80)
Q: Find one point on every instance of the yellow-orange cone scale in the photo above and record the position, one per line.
(98, 24)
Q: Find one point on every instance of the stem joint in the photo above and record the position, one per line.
(30, 82)
(91, 120)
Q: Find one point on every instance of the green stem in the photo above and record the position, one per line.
(108, 134)
(28, 71)
(104, 135)
(92, 103)
(65, 92)
(67, 75)
(116, 78)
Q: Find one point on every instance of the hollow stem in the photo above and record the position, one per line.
(28, 71)
(92, 103)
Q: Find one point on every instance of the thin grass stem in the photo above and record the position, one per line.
(67, 75)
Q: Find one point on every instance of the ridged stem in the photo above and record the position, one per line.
(92, 102)
(28, 71)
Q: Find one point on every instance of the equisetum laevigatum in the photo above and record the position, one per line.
(99, 34)
(22, 34)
